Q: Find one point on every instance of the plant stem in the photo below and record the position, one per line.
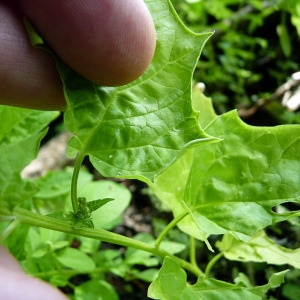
(171, 225)
(75, 175)
(192, 251)
(33, 219)
(211, 263)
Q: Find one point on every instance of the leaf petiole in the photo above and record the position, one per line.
(77, 167)
(193, 251)
(211, 263)
(171, 225)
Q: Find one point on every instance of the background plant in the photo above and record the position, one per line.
(254, 51)
(217, 176)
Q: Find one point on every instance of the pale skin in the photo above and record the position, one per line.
(110, 42)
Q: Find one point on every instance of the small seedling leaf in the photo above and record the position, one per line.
(96, 204)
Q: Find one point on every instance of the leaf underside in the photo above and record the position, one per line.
(259, 249)
(21, 131)
(137, 130)
(234, 185)
(142, 129)
(171, 284)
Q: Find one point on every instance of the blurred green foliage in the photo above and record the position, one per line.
(254, 50)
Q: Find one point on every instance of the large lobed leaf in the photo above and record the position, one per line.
(233, 185)
(259, 249)
(13, 158)
(171, 284)
(20, 123)
(139, 129)
(20, 137)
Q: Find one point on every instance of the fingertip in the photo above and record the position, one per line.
(110, 42)
(15, 284)
(28, 76)
(18, 285)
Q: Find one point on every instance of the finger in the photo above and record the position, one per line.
(110, 42)
(8, 261)
(117, 49)
(15, 284)
(28, 76)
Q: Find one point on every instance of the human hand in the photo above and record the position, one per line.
(110, 42)
(15, 284)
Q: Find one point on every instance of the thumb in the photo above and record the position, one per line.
(110, 42)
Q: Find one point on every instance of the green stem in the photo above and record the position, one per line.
(171, 225)
(212, 262)
(33, 219)
(77, 167)
(192, 251)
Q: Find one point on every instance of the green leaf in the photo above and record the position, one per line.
(171, 284)
(294, 9)
(232, 186)
(88, 246)
(95, 290)
(243, 279)
(39, 249)
(35, 39)
(16, 190)
(51, 237)
(54, 184)
(275, 280)
(34, 241)
(284, 38)
(20, 123)
(62, 215)
(172, 247)
(291, 291)
(13, 158)
(236, 190)
(96, 204)
(203, 104)
(137, 130)
(170, 188)
(107, 217)
(136, 256)
(55, 188)
(39, 253)
(79, 223)
(59, 279)
(149, 275)
(110, 214)
(108, 258)
(16, 156)
(20, 138)
(76, 260)
(16, 242)
(259, 249)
